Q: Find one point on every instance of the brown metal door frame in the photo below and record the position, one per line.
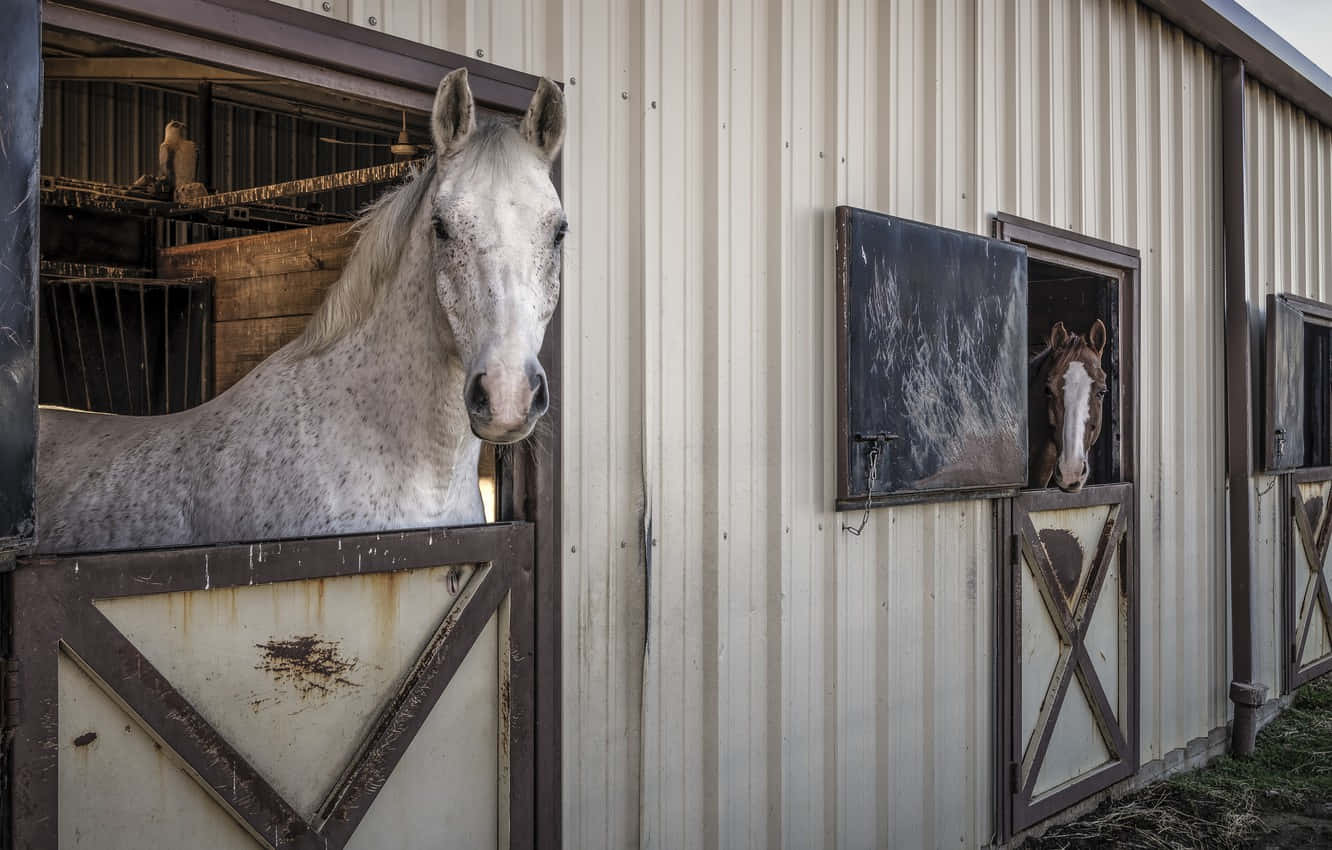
(1076, 250)
(52, 611)
(1313, 541)
(1020, 765)
(271, 39)
(276, 40)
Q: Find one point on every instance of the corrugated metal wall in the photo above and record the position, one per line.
(802, 688)
(1289, 250)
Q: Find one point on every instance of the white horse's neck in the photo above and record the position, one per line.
(398, 374)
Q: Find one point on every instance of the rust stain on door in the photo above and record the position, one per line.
(313, 665)
(1066, 556)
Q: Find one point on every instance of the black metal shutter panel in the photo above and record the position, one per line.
(935, 354)
(1283, 437)
(20, 116)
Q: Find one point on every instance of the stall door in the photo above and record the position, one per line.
(359, 692)
(1308, 605)
(1069, 683)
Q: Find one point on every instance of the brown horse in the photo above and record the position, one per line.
(1067, 387)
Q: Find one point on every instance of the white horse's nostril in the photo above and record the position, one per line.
(478, 399)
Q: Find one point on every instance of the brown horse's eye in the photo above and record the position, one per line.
(1100, 393)
(1049, 393)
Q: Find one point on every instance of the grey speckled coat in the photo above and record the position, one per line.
(373, 418)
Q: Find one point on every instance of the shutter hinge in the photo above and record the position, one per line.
(1014, 550)
(10, 702)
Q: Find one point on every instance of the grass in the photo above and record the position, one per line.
(1230, 803)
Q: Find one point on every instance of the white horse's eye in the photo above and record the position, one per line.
(441, 230)
(561, 232)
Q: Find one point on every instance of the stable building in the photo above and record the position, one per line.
(671, 637)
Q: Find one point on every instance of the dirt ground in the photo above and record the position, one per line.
(1280, 799)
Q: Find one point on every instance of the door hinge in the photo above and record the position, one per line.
(10, 702)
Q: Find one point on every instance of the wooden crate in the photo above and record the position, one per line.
(266, 288)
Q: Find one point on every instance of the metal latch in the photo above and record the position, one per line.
(1278, 444)
(878, 448)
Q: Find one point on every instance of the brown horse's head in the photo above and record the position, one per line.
(1074, 385)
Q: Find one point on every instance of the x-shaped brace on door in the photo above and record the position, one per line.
(1073, 656)
(1315, 554)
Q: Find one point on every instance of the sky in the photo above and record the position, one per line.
(1306, 24)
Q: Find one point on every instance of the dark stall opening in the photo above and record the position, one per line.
(1317, 398)
(1076, 297)
(192, 217)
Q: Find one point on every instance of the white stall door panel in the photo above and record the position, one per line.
(292, 673)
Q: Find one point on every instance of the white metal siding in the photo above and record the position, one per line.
(803, 688)
(1289, 202)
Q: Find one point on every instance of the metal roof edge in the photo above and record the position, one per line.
(1229, 29)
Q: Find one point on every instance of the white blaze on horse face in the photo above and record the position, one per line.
(1072, 471)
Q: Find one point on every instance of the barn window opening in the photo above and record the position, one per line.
(193, 218)
(1078, 299)
(1316, 382)
(1078, 281)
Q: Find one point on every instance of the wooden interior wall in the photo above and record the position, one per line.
(266, 288)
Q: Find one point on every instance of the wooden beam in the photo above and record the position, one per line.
(140, 69)
(307, 186)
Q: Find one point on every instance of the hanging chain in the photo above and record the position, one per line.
(869, 492)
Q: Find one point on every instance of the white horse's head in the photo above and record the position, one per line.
(498, 227)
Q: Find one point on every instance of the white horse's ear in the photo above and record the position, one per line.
(1096, 336)
(454, 117)
(543, 125)
(1058, 335)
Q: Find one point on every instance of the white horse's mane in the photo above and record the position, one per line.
(382, 230)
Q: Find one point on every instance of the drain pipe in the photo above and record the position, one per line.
(1247, 695)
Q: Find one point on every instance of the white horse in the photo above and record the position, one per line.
(374, 417)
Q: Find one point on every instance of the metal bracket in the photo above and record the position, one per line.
(1248, 694)
(878, 449)
(1278, 445)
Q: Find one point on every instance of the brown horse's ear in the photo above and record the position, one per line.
(1096, 336)
(1058, 335)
